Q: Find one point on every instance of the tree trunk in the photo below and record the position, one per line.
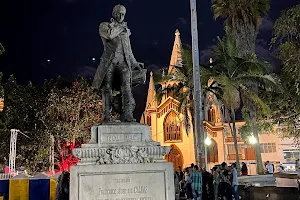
(235, 141)
(259, 164)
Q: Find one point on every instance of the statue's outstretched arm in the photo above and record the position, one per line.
(110, 32)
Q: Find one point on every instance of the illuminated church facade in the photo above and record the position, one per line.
(168, 128)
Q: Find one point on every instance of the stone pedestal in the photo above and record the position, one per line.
(121, 162)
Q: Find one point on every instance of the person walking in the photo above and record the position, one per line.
(216, 174)
(235, 183)
(225, 183)
(187, 184)
(196, 180)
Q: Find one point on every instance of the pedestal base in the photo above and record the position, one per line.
(122, 162)
(153, 181)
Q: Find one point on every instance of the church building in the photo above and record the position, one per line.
(167, 127)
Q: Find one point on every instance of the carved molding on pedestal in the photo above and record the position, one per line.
(120, 154)
(123, 155)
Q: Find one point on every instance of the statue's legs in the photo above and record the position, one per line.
(107, 93)
(128, 102)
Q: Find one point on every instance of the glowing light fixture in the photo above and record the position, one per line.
(1, 104)
(252, 140)
(207, 141)
(93, 59)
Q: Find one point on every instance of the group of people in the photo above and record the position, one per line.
(198, 184)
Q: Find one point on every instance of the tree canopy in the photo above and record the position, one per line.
(59, 108)
(243, 17)
(285, 105)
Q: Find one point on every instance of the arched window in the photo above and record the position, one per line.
(172, 128)
(211, 114)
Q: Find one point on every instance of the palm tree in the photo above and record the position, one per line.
(235, 77)
(244, 18)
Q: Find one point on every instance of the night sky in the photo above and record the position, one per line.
(66, 33)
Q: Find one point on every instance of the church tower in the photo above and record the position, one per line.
(167, 124)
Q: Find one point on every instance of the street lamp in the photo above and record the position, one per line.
(207, 141)
(252, 140)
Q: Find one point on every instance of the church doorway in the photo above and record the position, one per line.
(212, 152)
(175, 156)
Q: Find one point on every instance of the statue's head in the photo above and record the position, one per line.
(119, 12)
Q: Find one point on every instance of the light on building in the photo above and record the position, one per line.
(252, 140)
(207, 141)
(48, 61)
(93, 59)
(1, 104)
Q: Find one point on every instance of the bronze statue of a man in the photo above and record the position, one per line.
(117, 66)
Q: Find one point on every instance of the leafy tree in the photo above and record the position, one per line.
(58, 108)
(234, 77)
(69, 115)
(2, 125)
(287, 34)
(244, 18)
(263, 125)
(286, 105)
(20, 112)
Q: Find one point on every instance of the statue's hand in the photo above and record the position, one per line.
(137, 66)
(126, 31)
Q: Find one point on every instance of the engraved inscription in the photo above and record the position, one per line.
(121, 137)
(137, 186)
(132, 137)
(113, 138)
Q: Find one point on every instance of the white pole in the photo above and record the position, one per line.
(51, 156)
(198, 129)
(12, 153)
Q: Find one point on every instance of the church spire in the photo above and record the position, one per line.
(151, 103)
(151, 98)
(176, 59)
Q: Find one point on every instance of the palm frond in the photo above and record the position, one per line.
(267, 82)
(255, 98)
(1, 49)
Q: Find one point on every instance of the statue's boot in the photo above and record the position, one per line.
(128, 103)
(107, 101)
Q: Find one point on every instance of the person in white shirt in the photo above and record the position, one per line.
(270, 168)
(235, 183)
